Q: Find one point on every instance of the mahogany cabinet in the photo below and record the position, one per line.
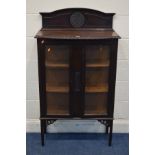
(77, 54)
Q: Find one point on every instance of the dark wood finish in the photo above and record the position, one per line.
(42, 131)
(110, 134)
(63, 18)
(112, 76)
(77, 57)
(77, 81)
(77, 34)
(107, 128)
(42, 81)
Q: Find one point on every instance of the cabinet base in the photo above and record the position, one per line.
(108, 124)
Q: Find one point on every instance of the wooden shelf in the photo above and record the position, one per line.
(56, 65)
(88, 89)
(96, 65)
(58, 89)
(65, 65)
(96, 89)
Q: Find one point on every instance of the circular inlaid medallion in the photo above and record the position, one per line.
(77, 19)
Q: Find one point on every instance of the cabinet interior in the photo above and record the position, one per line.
(96, 79)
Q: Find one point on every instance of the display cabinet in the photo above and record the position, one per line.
(77, 54)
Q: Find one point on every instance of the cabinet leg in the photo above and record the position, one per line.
(110, 134)
(107, 128)
(45, 126)
(42, 132)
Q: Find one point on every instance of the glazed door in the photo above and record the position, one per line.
(65, 80)
(57, 79)
(96, 80)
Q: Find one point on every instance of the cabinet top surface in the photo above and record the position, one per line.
(77, 23)
(77, 34)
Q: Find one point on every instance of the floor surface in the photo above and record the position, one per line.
(77, 144)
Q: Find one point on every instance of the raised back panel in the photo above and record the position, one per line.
(77, 18)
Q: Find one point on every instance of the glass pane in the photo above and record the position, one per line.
(57, 54)
(57, 103)
(96, 103)
(57, 80)
(97, 74)
(97, 55)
